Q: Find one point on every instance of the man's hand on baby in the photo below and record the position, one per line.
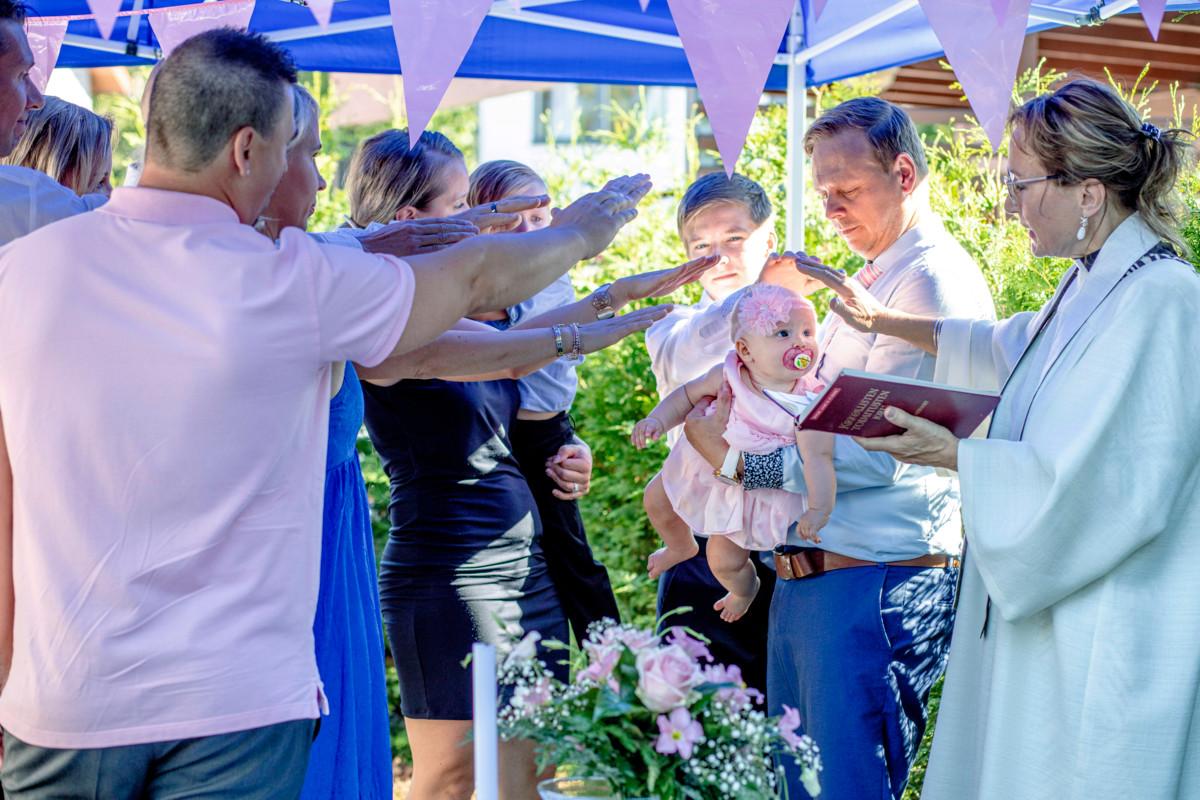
(811, 523)
(647, 431)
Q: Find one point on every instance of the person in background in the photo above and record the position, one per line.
(729, 218)
(165, 606)
(29, 199)
(544, 430)
(71, 144)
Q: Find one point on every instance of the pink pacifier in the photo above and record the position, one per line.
(798, 359)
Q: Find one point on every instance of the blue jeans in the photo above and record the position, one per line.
(856, 651)
(265, 763)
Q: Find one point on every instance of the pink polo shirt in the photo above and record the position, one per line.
(164, 388)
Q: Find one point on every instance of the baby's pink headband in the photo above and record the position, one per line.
(764, 307)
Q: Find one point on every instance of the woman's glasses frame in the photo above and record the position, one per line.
(1014, 184)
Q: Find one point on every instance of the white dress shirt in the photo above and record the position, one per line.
(30, 199)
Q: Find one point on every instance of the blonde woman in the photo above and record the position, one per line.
(70, 144)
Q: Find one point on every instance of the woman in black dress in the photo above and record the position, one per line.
(464, 561)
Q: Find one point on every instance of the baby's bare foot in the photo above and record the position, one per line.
(734, 606)
(664, 558)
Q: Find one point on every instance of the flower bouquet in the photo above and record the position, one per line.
(652, 716)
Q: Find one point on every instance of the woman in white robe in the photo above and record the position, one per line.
(1074, 671)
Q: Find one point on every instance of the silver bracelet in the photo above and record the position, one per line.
(559, 348)
(937, 331)
(576, 341)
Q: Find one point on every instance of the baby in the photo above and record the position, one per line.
(774, 347)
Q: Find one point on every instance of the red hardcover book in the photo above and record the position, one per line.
(853, 404)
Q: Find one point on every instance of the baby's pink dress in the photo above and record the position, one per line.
(755, 520)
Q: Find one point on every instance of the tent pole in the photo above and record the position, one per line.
(797, 98)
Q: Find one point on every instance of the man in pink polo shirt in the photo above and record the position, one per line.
(164, 394)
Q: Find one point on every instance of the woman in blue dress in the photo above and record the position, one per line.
(351, 756)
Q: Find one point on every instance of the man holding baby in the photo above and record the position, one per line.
(860, 624)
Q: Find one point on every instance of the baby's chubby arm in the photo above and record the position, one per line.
(816, 452)
(674, 407)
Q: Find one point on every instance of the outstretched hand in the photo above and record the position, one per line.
(923, 442)
(853, 303)
(782, 269)
(598, 216)
(607, 332)
(662, 282)
(417, 236)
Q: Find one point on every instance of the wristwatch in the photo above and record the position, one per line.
(727, 474)
(602, 301)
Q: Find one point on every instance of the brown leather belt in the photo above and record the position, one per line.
(807, 562)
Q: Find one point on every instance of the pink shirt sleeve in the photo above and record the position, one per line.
(362, 301)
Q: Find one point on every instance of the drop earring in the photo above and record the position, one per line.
(1082, 232)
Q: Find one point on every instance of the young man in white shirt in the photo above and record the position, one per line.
(860, 634)
(731, 218)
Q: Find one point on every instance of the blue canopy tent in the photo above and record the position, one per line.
(586, 41)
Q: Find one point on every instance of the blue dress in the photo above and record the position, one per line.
(352, 756)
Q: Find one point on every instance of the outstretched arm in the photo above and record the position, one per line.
(485, 273)
(863, 312)
(674, 408)
(476, 352)
(624, 291)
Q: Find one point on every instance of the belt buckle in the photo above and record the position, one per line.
(801, 563)
(783, 565)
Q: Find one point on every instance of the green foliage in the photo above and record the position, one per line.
(126, 115)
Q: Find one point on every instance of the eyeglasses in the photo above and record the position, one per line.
(1014, 184)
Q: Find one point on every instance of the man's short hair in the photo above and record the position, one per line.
(211, 86)
(716, 188)
(13, 10)
(889, 130)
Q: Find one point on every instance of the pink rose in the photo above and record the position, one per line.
(666, 677)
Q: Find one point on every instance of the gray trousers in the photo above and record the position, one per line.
(259, 764)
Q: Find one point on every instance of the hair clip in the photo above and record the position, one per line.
(1151, 131)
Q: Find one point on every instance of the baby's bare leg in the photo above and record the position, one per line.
(730, 563)
(676, 535)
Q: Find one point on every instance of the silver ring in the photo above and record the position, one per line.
(575, 488)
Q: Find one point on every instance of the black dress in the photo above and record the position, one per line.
(463, 561)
